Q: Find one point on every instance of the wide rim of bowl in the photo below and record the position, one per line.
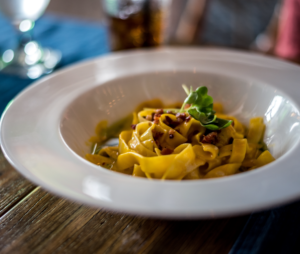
(271, 191)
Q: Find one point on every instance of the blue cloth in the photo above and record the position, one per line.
(76, 40)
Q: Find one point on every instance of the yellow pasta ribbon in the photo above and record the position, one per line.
(225, 151)
(238, 151)
(142, 139)
(187, 129)
(194, 175)
(137, 171)
(111, 152)
(226, 135)
(143, 114)
(209, 165)
(213, 150)
(237, 125)
(256, 130)
(264, 159)
(135, 119)
(177, 139)
(174, 166)
(225, 170)
(251, 150)
(124, 138)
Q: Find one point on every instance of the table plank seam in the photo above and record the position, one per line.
(44, 208)
(15, 201)
(11, 206)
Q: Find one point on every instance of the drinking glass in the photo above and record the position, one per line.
(137, 23)
(29, 59)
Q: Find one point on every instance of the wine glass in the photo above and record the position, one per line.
(29, 59)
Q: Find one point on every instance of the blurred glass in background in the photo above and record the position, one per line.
(19, 10)
(28, 59)
(136, 23)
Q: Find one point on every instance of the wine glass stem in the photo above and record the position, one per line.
(24, 33)
(24, 38)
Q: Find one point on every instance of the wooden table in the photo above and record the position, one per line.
(34, 221)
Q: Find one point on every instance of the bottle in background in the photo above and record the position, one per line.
(136, 23)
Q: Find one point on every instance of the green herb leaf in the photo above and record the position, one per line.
(192, 98)
(201, 109)
(194, 113)
(206, 119)
(223, 123)
(212, 127)
(185, 88)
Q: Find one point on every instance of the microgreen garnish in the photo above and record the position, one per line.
(201, 108)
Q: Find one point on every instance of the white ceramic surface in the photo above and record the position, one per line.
(44, 131)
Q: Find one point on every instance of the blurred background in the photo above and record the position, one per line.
(248, 25)
(227, 23)
(72, 30)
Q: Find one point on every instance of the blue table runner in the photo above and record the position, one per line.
(77, 40)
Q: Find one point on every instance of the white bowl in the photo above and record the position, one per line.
(44, 131)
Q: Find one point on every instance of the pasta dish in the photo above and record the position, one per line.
(196, 141)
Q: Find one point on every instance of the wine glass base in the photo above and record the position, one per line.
(32, 66)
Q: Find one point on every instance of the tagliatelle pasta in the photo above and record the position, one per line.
(173, 144)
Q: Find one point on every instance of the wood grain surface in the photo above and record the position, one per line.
(35, 221)
(13, 187)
